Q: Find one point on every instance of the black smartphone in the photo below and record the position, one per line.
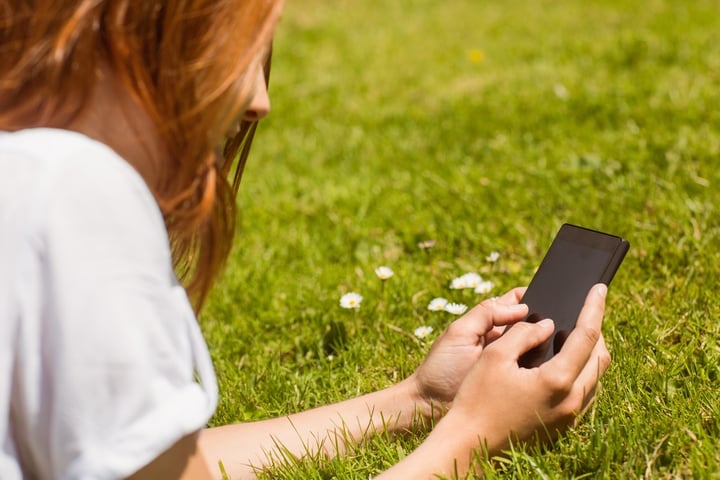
(577, 259)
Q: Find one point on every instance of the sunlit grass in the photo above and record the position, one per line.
(483, 127)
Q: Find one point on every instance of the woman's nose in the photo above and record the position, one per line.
(259, 105)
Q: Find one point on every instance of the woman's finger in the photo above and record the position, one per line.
(512, 296)
(524, 337)
(484, 317)
(594, 369)
(581, 343)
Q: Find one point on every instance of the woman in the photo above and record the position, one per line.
(113, 114)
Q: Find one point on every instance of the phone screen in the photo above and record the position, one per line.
(577, 259)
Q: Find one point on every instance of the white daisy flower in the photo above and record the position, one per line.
(493, 257)
(422, 332)
(561, 91)
(384, 273)
(469, 280)
(484, 287)
(351, 300)
(426, 244)
(437, 304)
(456, 308)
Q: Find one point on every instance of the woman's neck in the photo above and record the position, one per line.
(114, 117)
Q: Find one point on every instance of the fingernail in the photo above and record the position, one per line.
(546, 323)
(601, 290)
(519, 307)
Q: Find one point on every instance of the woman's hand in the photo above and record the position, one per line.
(458, 348)
(518, 402)
(500, 401)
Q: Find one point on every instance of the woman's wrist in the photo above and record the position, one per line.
(448, 450)
(461, 439)
(473, 433)
(423, 407)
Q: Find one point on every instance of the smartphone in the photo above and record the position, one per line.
(577, 259)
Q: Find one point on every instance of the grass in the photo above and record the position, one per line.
(482, 126)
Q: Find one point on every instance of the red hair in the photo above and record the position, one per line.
(185, 62)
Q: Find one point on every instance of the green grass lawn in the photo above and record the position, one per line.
(482, 126)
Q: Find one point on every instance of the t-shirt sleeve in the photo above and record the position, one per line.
(125, 369)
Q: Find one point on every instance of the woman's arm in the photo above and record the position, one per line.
(240, 447)
(496, 401)
(182, 461)
(428, 392)
(499, 401)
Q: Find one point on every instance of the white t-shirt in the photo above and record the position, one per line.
(102, 363)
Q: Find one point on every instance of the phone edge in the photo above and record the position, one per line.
(615, 262)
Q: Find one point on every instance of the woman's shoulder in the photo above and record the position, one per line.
(95, 312)
(49, 155)
(46, 171)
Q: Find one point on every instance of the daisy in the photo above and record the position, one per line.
(456, 308)
(422, 332)
(437, 304)
(469, 280)
(561, 91)
(384, 273)
(484, 287)
(351, 300)
(493, 257)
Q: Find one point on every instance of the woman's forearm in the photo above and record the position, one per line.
(244, 447)
(447, 451)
